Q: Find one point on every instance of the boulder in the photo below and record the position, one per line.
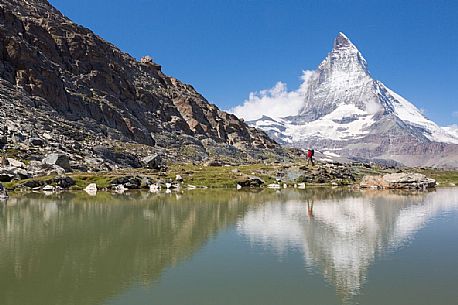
(3, 141)
(398, 181)
(33, 184)
(6, 176)
(59, 160)
(146, 182)
(130, 182)
(327, 173)
(55, 170)
(15, 163)
(214, 163)
(21, 173)
(36, 141)
(250, 181)
(64, 182)
(155, 162)
(121, 158)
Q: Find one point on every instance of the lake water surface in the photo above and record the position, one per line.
(312, 246)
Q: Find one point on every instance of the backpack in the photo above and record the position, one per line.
(309, 154)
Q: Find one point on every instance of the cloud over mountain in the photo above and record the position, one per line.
(275, 102)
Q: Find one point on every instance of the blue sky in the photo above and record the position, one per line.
(229, 48)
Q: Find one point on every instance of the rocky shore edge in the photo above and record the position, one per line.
(53, 174)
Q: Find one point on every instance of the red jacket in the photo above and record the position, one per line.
(309, 153)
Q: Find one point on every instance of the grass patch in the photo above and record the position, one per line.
(443, 177)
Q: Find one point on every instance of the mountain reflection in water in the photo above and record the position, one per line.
(342, 237)
(71, 248)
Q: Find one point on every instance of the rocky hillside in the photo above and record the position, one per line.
(64, 89)
(348, 113)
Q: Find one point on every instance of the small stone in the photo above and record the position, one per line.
(120, 189)
(48, 188)
(36, 141)
(91, 189)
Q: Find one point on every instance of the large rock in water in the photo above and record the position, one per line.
(59, 160)
(398, 181)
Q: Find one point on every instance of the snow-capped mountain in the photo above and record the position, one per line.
(346, 110)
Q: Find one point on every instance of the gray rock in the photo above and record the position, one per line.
(146, 182)
(64, 182)
(214, 163)
(155, 162)
(130, 182)
(3, 141)
(33, 184)
(6, 174)
(118, 157)
(250, 181)
(21, 173)
(36, 142)
(59, 160)
(15, 163)
(55, 170)
(398, 181)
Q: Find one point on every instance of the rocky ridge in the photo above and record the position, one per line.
(64, 90)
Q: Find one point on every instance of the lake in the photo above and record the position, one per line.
(314, 246)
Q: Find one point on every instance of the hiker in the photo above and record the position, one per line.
(310, 154)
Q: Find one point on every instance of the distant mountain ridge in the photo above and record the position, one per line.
(349, 113)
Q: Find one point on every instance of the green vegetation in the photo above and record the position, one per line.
(443, 177)
(13, 184)
(220, 176)
(227, 176)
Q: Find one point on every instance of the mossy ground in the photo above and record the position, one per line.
(227, 176)
(220, 176)
(443, 177)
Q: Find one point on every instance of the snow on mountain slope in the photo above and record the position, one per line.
(452, 130)
(411, 115)
(342, 102)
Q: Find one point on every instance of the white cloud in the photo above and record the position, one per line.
(275, 102)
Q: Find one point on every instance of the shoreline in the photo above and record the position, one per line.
(200, 176)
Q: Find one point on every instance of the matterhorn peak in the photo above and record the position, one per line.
(344, 57)
(348, 112)
(342, 41)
